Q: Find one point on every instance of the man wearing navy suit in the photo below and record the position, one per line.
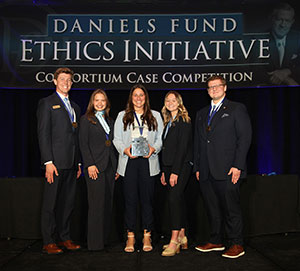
(58, 141)
(222, 139)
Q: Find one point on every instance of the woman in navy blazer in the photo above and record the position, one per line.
(100, 163)
(176, 157)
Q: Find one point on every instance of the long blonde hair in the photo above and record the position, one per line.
(182, 112)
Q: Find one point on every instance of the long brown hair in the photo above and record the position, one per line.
(147, 116)
(182, 112)
(90, 111)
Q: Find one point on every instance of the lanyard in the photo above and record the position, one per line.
(211, 114)
(140, 127)
(99, 116)
(167, 128)
(169, 125)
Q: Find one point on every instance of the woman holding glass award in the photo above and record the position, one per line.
(137, 137)
(100, 164)
(176, 158)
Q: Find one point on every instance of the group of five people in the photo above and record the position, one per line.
(217, 155)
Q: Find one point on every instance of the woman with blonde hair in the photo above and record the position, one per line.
(176, 157)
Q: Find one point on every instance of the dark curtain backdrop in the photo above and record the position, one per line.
(274, 114)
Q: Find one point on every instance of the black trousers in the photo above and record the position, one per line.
(100, 200)
(57, 206)
(222, 202)
(175, 196)
(138, 187)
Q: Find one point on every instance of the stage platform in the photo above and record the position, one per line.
(270, 206)
(263, 253)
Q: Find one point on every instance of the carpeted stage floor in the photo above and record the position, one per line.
(270, 252)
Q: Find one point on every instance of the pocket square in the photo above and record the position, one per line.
(56, 106)
(294, 56)
(225, 115)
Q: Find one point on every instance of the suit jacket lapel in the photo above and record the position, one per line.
(205, 119)
(58, 100)
(170, 129)
(288, 51)
(217, 117)
(111, 127)
(163, 134)
(274, 52)
(100, 127)
(98, 124)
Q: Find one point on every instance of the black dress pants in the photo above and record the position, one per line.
(57, 207)
(138, 187)
(100, 200)
(175, 196)
(222, 202)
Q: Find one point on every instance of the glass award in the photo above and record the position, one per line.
(139, 146)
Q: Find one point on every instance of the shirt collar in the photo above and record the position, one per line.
(282, 41)
(62, 96)
(218, 104)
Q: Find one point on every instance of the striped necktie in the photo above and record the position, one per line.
(212, 112)
(69, 108)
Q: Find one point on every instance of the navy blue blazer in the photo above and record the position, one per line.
(226, 144)
(58, 139)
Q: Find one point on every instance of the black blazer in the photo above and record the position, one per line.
(92, 144)
(226, 144)
(58, 139)
(177, 146)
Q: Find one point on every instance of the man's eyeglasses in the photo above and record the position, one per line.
(215, 86)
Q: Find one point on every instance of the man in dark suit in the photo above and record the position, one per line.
(222, 139)
(284, 59)
(58, 141)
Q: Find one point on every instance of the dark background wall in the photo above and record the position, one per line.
(274, 114)
(274, 111)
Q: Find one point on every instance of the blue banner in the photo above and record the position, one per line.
(160, 50)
